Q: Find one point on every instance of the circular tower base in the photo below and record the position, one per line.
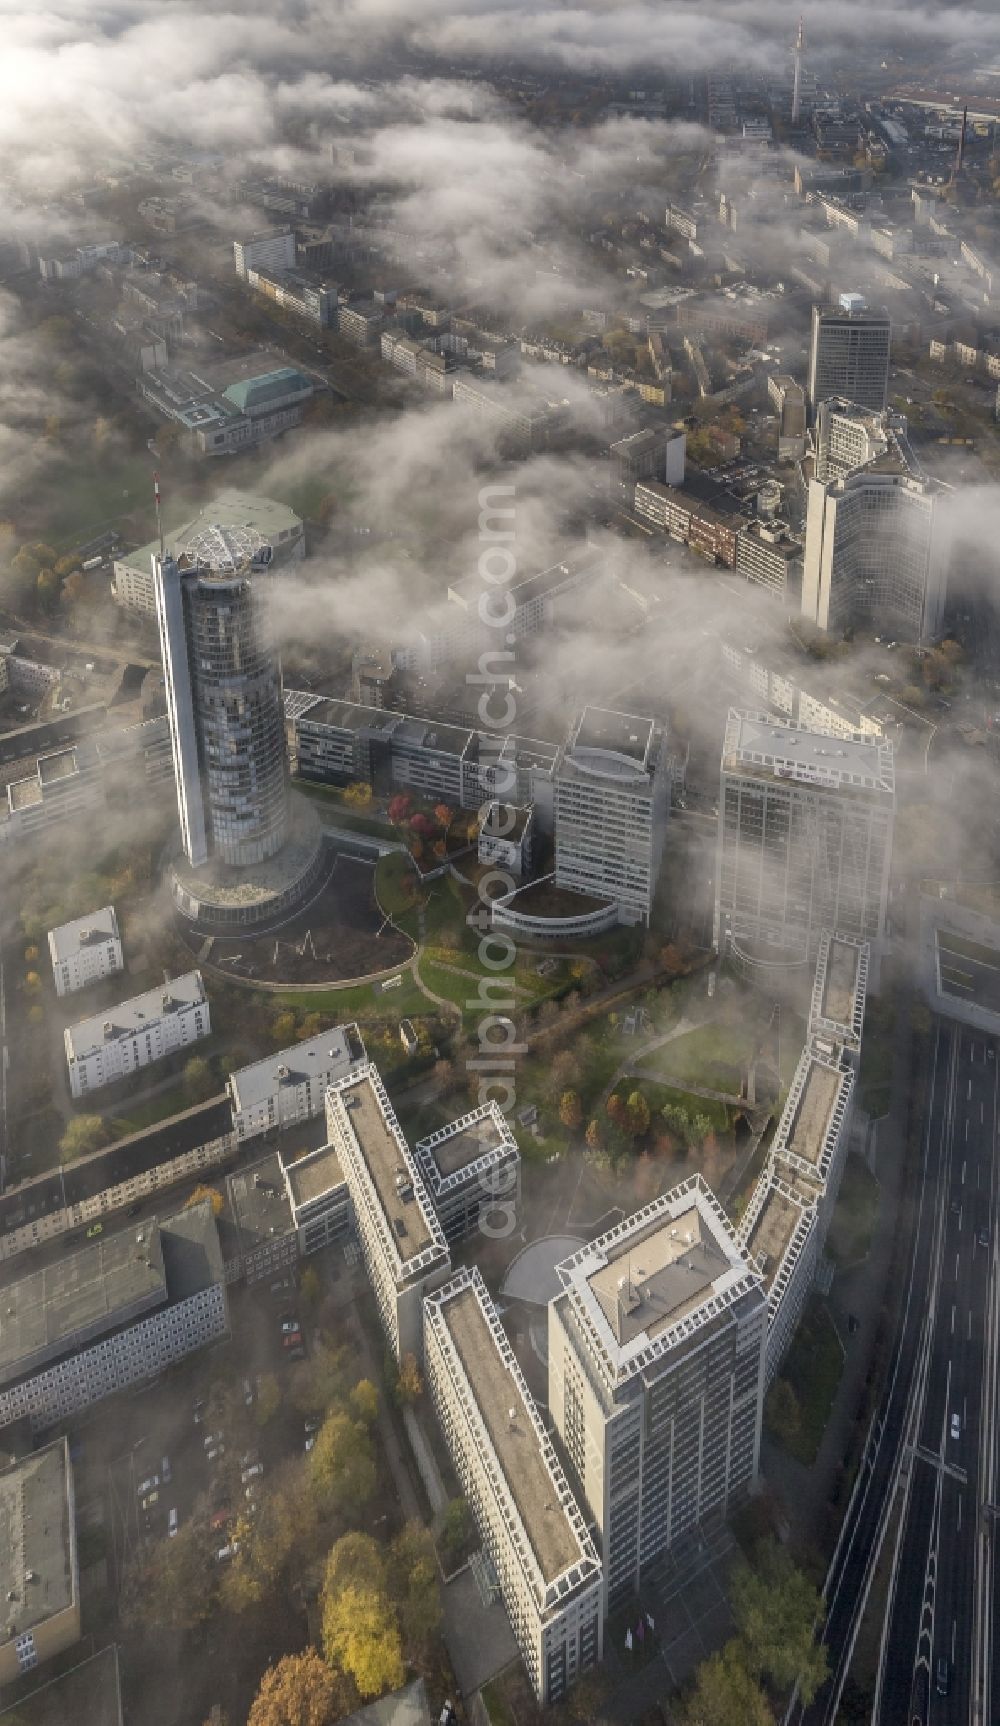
(216, 896)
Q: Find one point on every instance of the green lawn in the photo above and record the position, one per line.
(812, 1367)
(714, 1056)
(392, 873)
(331, 797)
(853, 1222)
(665, 1096)
(136, 1119)
(360, 1001)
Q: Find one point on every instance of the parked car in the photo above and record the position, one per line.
(313, 1423)
(95, 1229)
(172, 1523)
(220, 1519)
(956, 1426)
(310, 1441)
(292, 1340)
(147, 1485)
(247, 1392)
(150, 1499)
(250, 1457)
(216, 1453)
(288, 1325)
(166, 1473)
(212, 1438)
(254, 1472)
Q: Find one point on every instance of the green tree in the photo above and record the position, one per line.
(84, 1133)
(309, 1289)
(776, 1609)
(268, 1398)
(342, 1465)
(364, 1402)
(171, 1583)
(458, 1531)
(414, 1572)
(571, 1110)
(637, 1115)
(199, 1080)
(299, 1690)
(360, 1626)
(783, 1414)
(725, 1693)
(283, 1028)
(409, 1382)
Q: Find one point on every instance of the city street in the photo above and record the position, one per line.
(938, 1655)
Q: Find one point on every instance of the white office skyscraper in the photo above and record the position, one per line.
(611, 801)
(224, 706)
(656, 1376)
(805, 835)
(849, 353)
(876, 552)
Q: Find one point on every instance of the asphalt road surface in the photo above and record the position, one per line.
(944, 1597)
(939, 1655)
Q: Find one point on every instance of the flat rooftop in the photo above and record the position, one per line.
(259, 1204)
(464, 1142)
(332, 1052)
(192, 1256)
(676, 1263)
(127, 1018)
(66, 941)
(769, 747)
(842, 967)
(89, 1694)
(653, 1281)
(37, 1539)
(618, 733)
(385, 1156)
(502, 1400)
(91, 1290)
(309, 1177)
(805, 1133)
(774, 1230)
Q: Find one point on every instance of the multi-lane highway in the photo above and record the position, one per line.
(939, 1654)
(924, 1498)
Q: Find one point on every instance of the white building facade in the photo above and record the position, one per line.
(656, 1376)
(528, 1519)
(85, 950)
(136, 1033)
(611, 801)
(804, 836)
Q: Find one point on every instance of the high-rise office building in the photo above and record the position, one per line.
(656, 1374)
(876, 551)
(224, 705)
(543, 1554)
(611, 803)
(849, 353)
(805, 836)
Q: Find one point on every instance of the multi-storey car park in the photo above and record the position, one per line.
(530, 1524)
(403, 1243)
(804, 836)
(656, 1376)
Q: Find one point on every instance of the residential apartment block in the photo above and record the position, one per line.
(876, 554)
(136, 1033)
(268, 251)
(656, 1376)
(403, 1243)
(804, 838)
(85, 950)
(528, 1519)
(291, 1085)
(611, 800)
